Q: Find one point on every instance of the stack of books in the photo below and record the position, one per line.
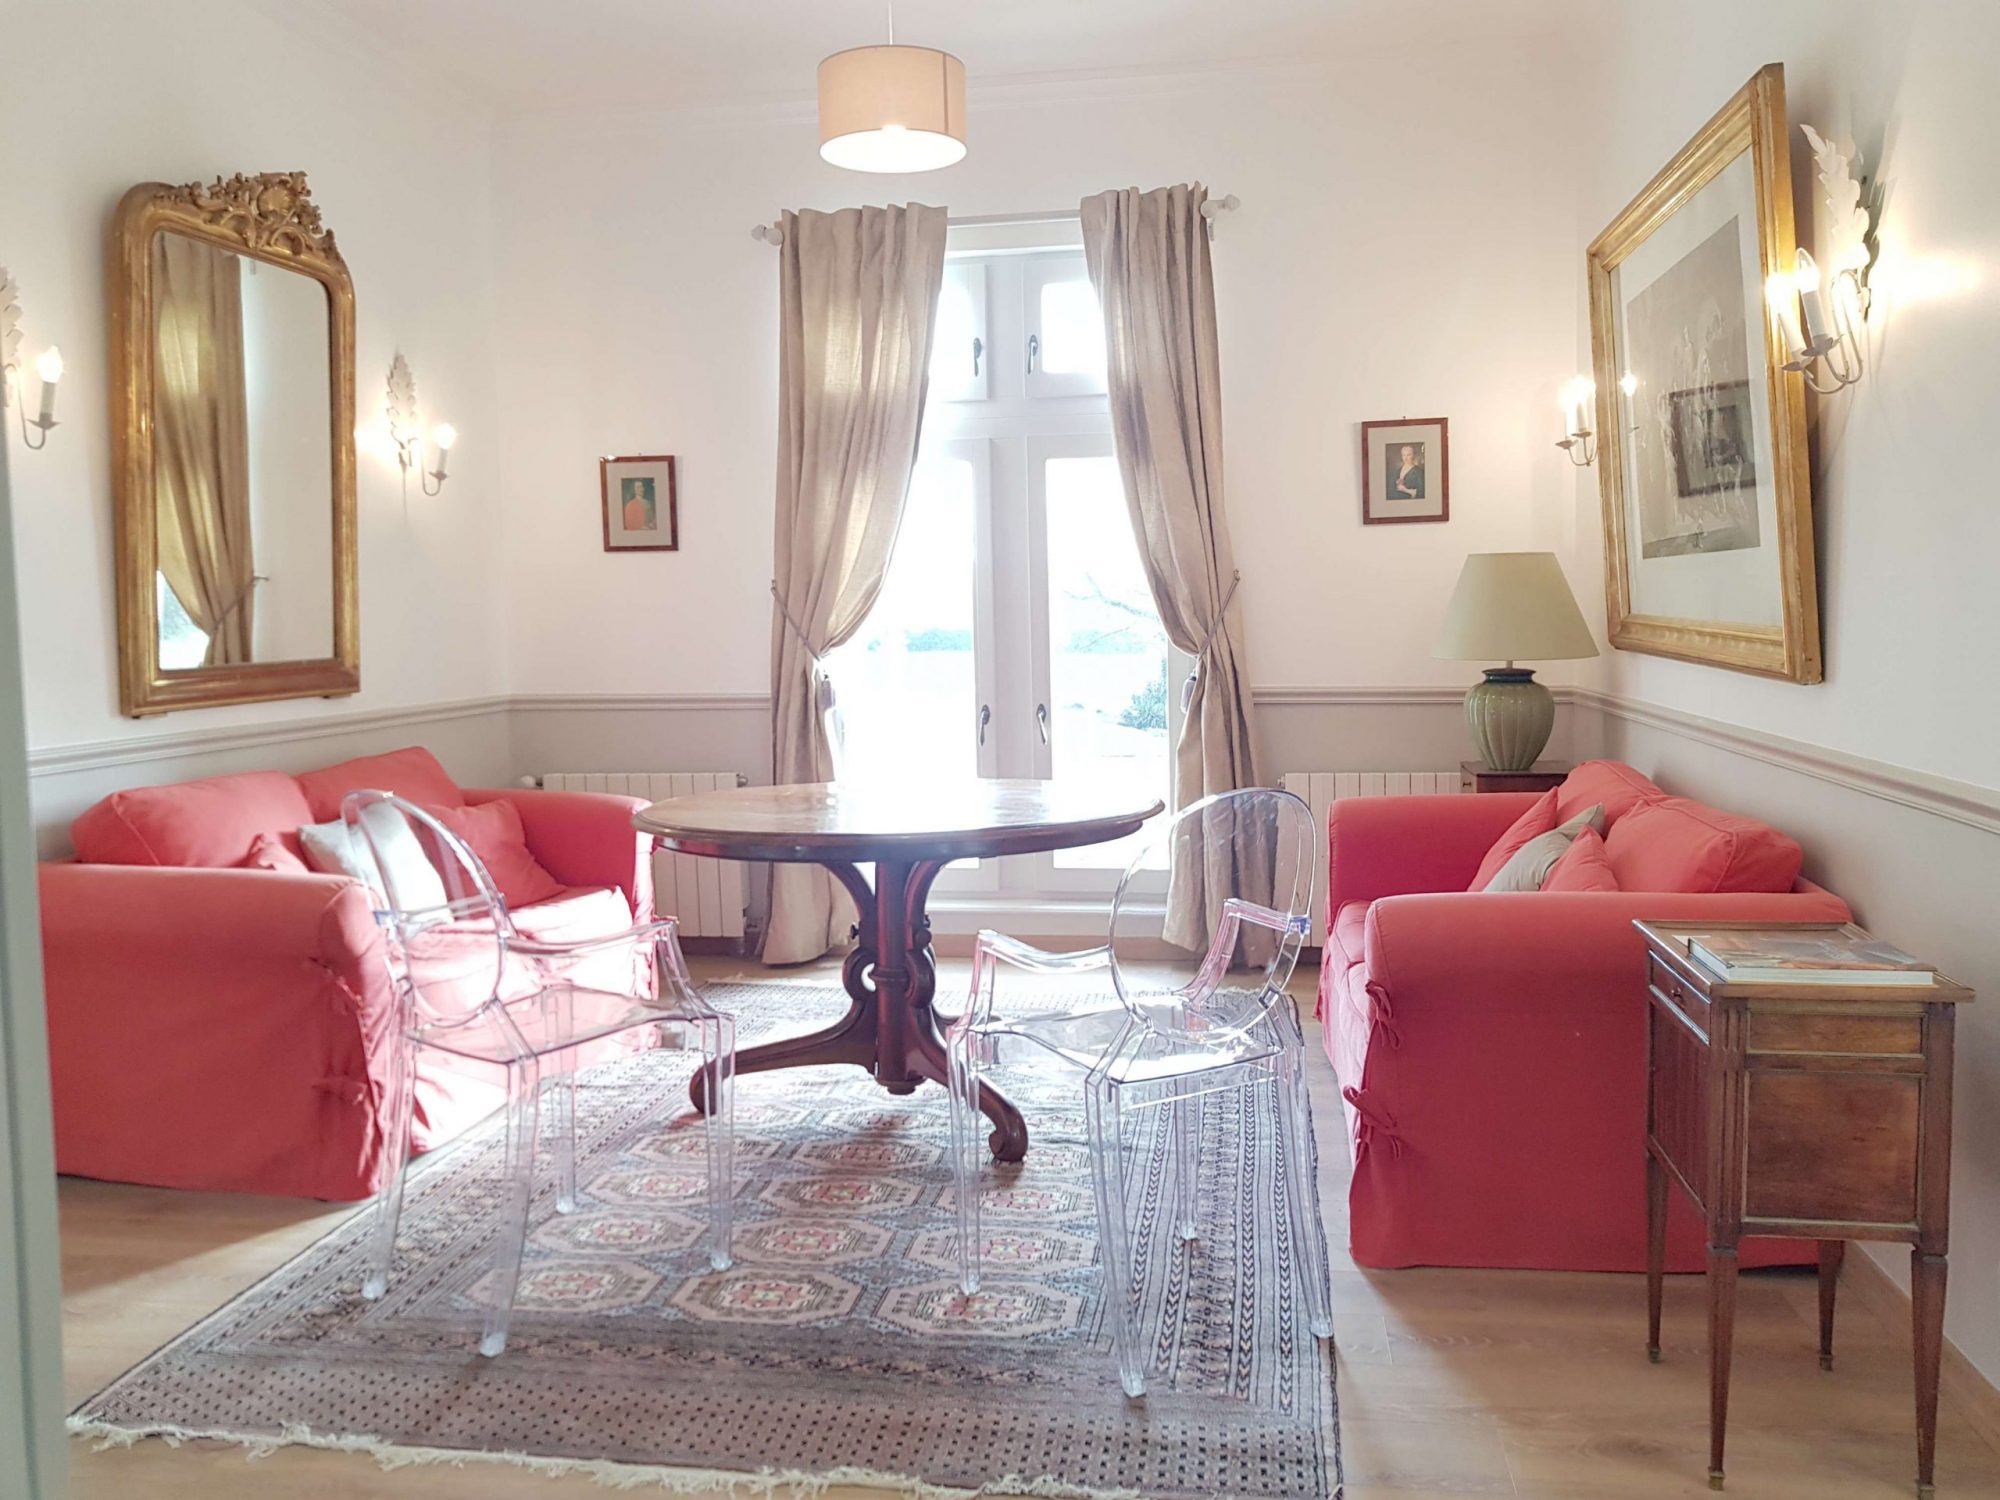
(1839, 955)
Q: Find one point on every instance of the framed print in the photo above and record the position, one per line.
(641, 510)
(1405, 471)
(1701, 460)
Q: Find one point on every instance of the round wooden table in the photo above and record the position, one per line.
(909, 833)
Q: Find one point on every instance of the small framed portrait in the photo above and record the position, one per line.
(641, 513)
(1405, 471)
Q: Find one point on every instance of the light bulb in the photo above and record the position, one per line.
(50, 365)
(444, 435)
(1628, 383)
(1805, 273)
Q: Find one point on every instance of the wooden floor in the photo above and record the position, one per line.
(1452, 1383)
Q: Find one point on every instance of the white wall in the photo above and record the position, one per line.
(99, 97)
(1904, 502)
(1387, 261)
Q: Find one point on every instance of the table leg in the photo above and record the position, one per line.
(1927, 1277)
(1831, 1254)
(1656, 1250)
(889, 1028)
(1721, 1332)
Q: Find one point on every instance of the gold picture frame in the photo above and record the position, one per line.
(270, 218)
(1702, 462)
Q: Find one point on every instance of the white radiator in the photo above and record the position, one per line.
(708, 895)
(1321, 789)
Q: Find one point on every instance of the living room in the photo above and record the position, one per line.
(565, 344)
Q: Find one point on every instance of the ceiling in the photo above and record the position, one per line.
(640, 54)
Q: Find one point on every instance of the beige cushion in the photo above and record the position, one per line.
(1531, 863)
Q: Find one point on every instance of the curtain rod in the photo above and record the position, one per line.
(774, 233)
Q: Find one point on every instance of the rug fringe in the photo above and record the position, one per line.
(766, 1484)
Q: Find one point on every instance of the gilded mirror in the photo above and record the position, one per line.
(233, 373)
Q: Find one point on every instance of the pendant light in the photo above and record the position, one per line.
(891, 108)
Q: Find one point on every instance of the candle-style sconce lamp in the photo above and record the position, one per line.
(48, 367)
(1579, 442)
(406, 431)
(1820, 312)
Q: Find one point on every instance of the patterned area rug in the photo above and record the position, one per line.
(838, 1348)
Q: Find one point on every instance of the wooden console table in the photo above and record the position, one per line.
(1818, 1112)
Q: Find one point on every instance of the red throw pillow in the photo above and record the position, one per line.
(277, 852)
(1678, 844)
(209, 823)
(1583, 867)
(1532, 824)
(412, 773)
(492, 830)
(1611, 783)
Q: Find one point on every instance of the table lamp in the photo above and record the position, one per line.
(1511, 606)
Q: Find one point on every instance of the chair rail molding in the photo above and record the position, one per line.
(1960, 801)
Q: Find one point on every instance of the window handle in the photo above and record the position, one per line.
(985, 718)
(978, 348)
(1034, 350)
(1042, 720)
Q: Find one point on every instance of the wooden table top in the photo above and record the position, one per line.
(850, 821)
(1670, 941)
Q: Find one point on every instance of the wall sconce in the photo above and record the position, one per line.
(1819, 316)
(1577, 399)
(49, 367)
(406, 430)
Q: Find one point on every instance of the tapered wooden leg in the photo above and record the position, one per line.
(1656, 1251)
(1721, 1330)
(1927, 1276)
(1831, 1254)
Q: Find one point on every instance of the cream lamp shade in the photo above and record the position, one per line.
(892, 109)
(1513, 606)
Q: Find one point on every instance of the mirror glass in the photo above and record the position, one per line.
(243, 471)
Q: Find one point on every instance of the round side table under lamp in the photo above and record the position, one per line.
(1512, 606)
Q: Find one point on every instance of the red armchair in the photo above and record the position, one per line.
(1492, 1048)
(226, 1028)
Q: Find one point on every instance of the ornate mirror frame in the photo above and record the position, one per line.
(270, 217)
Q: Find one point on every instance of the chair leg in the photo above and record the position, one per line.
(563, 1124)
(517, 1177)
(395, 1164)
(718, 1055)
(1307, 1231)
(1107, 1169)
(1187, 1165)
(965, 1124)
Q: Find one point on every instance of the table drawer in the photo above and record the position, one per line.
(1786, 1030)
(1676, 991)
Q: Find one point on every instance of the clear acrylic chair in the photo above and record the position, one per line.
(1165, 1035)
(469, 984)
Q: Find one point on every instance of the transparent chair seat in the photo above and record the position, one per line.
(467, 983)
(1239, 893)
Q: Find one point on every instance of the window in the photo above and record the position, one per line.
(1016, 634)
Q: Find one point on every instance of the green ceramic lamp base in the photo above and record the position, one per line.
(1511, 717)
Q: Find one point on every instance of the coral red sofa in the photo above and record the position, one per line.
(1492, 1047)
(227, 1028)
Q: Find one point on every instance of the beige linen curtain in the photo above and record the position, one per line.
(1149, 261)
(858, 293)
(201, 441)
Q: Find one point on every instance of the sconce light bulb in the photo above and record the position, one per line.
(1805, 273)
(1628, 383)
(50, 365)
(444, 435)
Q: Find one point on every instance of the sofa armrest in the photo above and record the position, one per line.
(584, 839)
(1450, 952)
(184, 1002)
(1393, 846)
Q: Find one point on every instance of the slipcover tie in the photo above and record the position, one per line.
(825, 691)
(1373, 1120)
(1382, 1015)
(1201, 653)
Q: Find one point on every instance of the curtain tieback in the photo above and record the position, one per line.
(822, 679)
(1194, 671)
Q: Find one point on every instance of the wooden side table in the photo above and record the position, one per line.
(1477, 776)
(1803, 1112)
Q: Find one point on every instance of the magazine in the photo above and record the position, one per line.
(1842, 955)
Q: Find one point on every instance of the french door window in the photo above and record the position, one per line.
(1015, 635)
